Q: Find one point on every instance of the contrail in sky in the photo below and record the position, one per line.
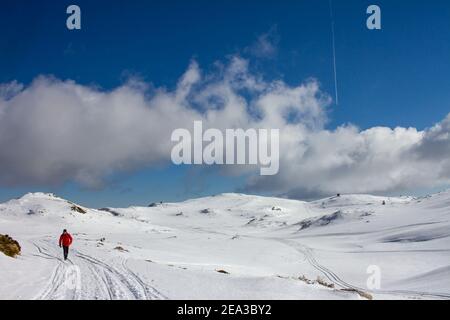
(334, 53)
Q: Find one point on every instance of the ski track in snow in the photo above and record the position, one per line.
(338, 251)
(334, 278)
(98, 279)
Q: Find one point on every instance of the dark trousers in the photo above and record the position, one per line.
(66, 252)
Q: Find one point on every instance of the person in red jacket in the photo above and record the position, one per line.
(65, 240)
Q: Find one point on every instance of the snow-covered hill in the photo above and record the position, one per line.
(230, 246)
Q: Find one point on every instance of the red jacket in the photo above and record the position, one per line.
(65, 239)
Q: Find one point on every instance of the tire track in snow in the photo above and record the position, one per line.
(100, 280)
(333, 277)
(122, 285)
(151, 292)
(57, 287)
(118, 286)
(336, 279)
(52, 286)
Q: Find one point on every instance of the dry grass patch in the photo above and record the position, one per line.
(322, 282)
(319, 280)
(9, 246)
(78, 209)
(363, 294)
(222, 271)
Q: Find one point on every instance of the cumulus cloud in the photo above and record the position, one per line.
(348, 160)
(8, 90)
(53, 131)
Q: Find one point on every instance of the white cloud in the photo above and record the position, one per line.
(8, 90)
(347, 160)
(53, 131)
(266, 45)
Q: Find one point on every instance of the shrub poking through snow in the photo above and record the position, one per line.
(363, 294)
(222, 271)
(9, 246)
(114, 213)
(324, 283)
(305, 279)
(321, 221)
(319, 280)
(78, 209)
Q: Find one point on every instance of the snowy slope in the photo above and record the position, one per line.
(230, 246)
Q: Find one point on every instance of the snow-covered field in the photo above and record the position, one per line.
(230, 246)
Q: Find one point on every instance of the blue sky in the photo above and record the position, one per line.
(397, 76)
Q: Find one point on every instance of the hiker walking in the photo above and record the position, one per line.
(65, 240)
